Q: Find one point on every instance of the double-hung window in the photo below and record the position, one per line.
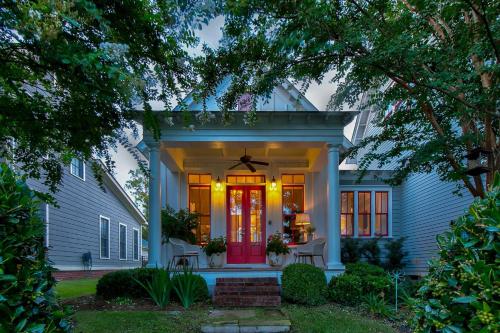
(122, 241)
(104, 237)
(136, 244)
(77, 168)
(347, 214)
(382, 213)
(364, 213)
(200, 202)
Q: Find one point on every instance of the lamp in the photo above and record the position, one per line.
(302, 219)
(478, 161)
(218, 184)
(274, 186)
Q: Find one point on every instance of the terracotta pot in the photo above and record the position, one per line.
(216, 260)
(275, 260)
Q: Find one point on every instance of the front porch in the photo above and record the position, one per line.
(193, 169)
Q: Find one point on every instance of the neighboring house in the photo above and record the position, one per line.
(90, 218)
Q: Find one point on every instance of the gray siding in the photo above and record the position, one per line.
(74, 226)
(428, 206)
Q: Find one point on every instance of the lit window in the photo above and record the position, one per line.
(293, 179)
(293, 203)
(77, 168)
(364, 214)
(246, 179)
(104, 237)
(347, 214)
(381, 213)
(122, 240)
(199, 202)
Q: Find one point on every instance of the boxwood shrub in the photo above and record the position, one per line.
(121, 283)
(304, 284)
(359, 279)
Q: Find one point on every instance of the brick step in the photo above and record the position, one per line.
(218, 292)
(256, 289)
(246, 301)
(260, 280)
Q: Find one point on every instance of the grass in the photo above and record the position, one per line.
(75, 288)
(321, 319)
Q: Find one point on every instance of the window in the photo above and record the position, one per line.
(122, 241)
(77, 168)
(381, 213)
(347, 214)
(292, 192)
(104, 237)
(199, 202)
(245, 179)
(136, 244)
(364, 214)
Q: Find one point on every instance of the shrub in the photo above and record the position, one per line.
(275, 244)
(123, 283)
(189, 288)
(304, 284)
(346, 289)
(27, 301)
(179, 224)
(363, 268)
(159, 287)
(371, 251)
(376, 305)
(461, 291)
(395, 254)
(215, 246)
(350, 250)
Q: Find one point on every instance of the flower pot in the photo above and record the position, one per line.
(275, 260)
(216, 260)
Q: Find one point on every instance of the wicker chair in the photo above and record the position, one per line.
(310, 250)
(183, 252)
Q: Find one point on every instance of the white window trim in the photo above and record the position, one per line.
(120, 241)
(372, 189)
(71, 170)
(138, 244)
(101, 217)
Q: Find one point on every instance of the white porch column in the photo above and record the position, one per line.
(154, 254)
(333, 209)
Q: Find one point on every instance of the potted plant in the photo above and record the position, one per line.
(275, 249)
(214, 249)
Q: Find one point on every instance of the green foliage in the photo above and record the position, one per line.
(138, 185)
(73, 73)
(395, 254)
(371, 251)
(189, 287)
(123, 283)
(27, 300)
(438, 60)
(159, 287)
(376, 305)
(179, 224)
(275, 244)
(215, 246)
(304, 284)
(350, 250)
(461, 291)
(358, 280)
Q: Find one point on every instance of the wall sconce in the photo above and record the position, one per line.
(218, 185)
(274, 186)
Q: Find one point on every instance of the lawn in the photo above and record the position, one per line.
(75, 288)
(327, 318)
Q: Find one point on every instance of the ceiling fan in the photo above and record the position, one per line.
(247, 161)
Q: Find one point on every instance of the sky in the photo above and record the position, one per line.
(317, 94)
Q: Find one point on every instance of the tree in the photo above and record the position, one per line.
(138, 185)
(73, 73)
(440, 59)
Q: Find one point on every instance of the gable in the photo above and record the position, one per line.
(284, 97)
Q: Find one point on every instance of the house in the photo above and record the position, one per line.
(100, 220)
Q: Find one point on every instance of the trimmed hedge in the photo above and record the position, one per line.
(358, 280)
(304, 284)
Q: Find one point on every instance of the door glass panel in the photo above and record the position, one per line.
(236, 214)
(255, 216)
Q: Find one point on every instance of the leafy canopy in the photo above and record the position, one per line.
(440, 58)
(73, 72)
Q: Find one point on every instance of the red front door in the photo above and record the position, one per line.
(246, 227)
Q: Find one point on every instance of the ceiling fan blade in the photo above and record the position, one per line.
(250, 167)
(235, 166)
(259, 163)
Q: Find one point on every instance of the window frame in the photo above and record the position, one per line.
(138, 244)
(382, 214)
(101, 217)
(120, 241)
(83, 169)
(372, 189)
(348, 214)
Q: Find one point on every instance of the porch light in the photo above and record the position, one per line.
(218, 184)
(478, 161)
(274, 186)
